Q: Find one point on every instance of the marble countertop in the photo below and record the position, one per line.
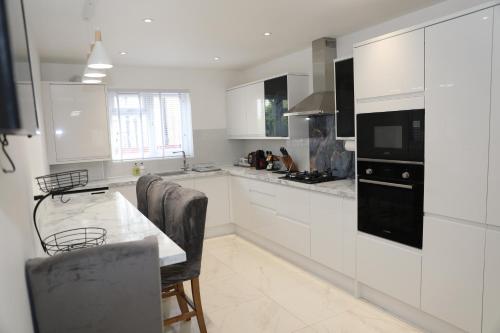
(111, 211)
(343, 188)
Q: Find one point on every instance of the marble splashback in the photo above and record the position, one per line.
(325, 152)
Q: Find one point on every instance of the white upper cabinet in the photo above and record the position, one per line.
(491, 302)
(391, 68)
(76, 122)
(256, 110)
(452, 272)
(494, 169)
(457, 108)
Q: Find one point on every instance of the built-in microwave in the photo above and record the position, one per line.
(394, 135)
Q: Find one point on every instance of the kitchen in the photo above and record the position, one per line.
(350, 178)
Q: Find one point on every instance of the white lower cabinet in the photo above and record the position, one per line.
(452, 272)
(491, 301)
(390, 268)
(217, 191)
(128, 192)
(333, 232)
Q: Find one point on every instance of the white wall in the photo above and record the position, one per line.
(16, 229)
(207, 90)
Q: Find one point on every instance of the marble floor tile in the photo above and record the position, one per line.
(247, 289)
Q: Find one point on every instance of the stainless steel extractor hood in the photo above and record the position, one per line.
(322, 101)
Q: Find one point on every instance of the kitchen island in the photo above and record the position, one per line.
(111, 211)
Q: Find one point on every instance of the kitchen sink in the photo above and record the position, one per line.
(171, 173)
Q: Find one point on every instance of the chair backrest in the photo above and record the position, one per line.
(155, 197)
(141, 189)
(185, 215)
(105, 289)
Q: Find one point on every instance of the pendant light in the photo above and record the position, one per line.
(98, 57)
(91, 81)
(93, 73)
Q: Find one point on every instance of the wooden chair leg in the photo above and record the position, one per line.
(181, 298)
(195, 287)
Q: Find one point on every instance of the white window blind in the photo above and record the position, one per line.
(149, 125)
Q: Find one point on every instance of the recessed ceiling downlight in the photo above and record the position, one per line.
(147, 20)
(216, 58)
(267, 34)
(123, 53)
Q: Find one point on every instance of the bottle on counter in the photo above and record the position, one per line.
(142, 169)
(136, 171)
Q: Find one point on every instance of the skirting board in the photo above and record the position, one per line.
(357, 289)
(220, 230)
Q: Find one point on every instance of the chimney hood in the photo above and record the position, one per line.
(322, 100)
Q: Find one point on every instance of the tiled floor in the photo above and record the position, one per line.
(246, 289)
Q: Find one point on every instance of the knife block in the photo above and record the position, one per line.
(289, 164)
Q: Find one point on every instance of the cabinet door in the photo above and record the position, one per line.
(217, 191)
(254, 109)
(452, 272)
(129, 193)
(457, 108)
(344, 98)
(326, 230)
(236, 116)
(491, 302)
(494, 169)
(80, 122)
(391, 66)
(276, 104)
(240, 201)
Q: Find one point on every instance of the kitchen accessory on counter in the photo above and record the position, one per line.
(287, 161)
(72, 239)
(273, 162)
(260, 160)
(251, 159)
(205, 167)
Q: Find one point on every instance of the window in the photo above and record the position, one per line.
(149, 125)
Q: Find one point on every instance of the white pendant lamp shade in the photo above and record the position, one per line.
(98, 57)
(93, 73)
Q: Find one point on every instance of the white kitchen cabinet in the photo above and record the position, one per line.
(240, 202)
(390, 69)
(493, 216)
(288, 233)
(246, 112)
(293, 203)
(76, 122)
(457, 110)
(128, 192)
(452, 272)
(188, 182)
(333, 232)
(491, 301)
(217, 191)
(391, 268)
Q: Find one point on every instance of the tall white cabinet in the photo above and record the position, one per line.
(76, 122)
(457, 109)
(246, 116)
(389, 73)
(493, 216)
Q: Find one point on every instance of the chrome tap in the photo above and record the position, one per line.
(185, 166)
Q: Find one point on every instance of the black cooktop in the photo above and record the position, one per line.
(313, 177)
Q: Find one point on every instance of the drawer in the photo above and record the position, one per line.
(262, 194)
(293, 203)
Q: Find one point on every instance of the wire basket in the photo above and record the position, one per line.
(63, 181)
(74, 239)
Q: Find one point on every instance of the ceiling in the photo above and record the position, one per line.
(190, 33)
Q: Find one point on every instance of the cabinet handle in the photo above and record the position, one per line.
(375, 182)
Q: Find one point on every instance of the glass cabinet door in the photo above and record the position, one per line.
(276, 104)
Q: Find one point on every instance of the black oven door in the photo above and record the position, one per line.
(395, 135)
(391, 210)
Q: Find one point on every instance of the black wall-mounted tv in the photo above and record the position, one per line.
(17, 98)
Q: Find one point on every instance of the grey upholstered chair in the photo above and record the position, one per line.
(106, 289)
(141, 189)
(157, 195)
(185, 212)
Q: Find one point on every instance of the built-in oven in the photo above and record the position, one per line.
(390, 201)
(395, 135)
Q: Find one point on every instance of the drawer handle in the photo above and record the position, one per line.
(375, 182)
